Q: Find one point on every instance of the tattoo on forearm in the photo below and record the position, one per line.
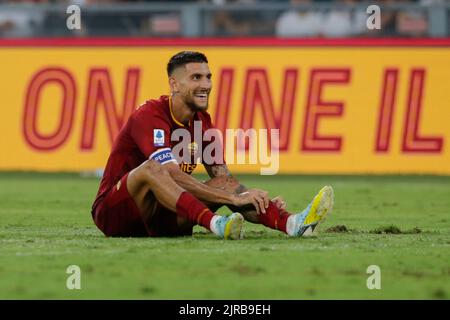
(220, 171)
(241, 188)
(230, 182)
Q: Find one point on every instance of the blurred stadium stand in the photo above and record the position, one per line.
(224, 18)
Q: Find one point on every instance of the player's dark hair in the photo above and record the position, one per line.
(184, 57)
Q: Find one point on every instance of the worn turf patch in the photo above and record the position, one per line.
(386, 230)
(392, 229)
(338, 229)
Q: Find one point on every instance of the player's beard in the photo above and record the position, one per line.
(194, 106)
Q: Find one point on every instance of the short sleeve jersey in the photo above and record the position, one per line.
(147, 135)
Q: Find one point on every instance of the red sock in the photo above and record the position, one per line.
(274, 218)
(192, 209)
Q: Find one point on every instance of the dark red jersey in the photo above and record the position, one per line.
(147, 134)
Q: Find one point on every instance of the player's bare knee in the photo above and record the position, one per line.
(146, 174)
(152, 169)
(152, 166)
(155, 173)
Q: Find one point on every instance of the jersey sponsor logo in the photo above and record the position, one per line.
(187, 167)
(158, 137)
(163, 156)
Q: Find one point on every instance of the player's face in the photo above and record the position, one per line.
(194, 85)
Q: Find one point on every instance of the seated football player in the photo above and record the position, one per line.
(146, 192)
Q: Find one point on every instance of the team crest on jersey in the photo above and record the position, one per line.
(158, 137)
(193, 147)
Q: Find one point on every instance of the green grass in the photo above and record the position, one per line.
(401, 224)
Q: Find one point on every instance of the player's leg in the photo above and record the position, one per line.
(162, 222)
(303, 223)
(230, 184)
(150, 180)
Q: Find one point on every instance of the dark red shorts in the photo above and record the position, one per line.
(118, 216)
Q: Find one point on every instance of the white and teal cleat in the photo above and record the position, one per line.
(305, 223)
(228, 227)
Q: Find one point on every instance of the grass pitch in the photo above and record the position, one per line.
(401, 224)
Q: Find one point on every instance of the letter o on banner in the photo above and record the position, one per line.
(31, 132)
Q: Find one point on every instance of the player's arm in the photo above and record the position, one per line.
(232, 183)
(213, 195)
(221, 170)
(153, 142)
(222, 178)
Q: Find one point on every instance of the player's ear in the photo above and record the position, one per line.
(173, 83)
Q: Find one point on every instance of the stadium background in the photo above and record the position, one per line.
(363, 110)
(365, 101)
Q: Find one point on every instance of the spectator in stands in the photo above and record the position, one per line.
(162, 24)
(299, 23)
(19, 22)
(343, 21)
(231, 23)
(387, 21)
(411, 22)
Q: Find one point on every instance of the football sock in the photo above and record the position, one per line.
(274, 218)
(194, 210)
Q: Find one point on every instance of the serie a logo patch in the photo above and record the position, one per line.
(158, 137)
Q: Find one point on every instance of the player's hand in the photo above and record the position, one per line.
(259, 199)
(279, 203)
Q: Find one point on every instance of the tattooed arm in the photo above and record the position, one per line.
(230, 183)
(221, 178)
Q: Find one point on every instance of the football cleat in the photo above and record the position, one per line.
(306, 222)
(230, 227)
